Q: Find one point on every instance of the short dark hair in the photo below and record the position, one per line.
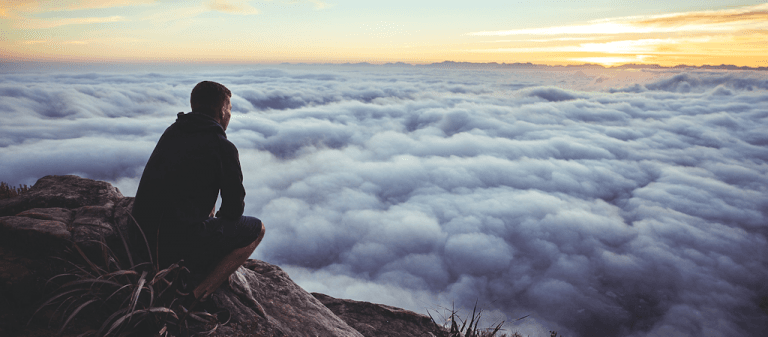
(208, 97)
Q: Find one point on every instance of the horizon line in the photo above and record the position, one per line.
(398, 63)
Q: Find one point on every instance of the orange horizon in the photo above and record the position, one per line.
(81, 60)
(147, 31)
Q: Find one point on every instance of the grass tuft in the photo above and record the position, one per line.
(455, 326)
(124, 297)
(8, 191)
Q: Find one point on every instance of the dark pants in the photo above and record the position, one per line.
(200, 246)
(219, 237)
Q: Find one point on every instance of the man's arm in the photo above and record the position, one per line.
(232, 190)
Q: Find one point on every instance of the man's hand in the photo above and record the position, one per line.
(213, 211)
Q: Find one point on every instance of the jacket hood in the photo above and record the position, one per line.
(197, 122)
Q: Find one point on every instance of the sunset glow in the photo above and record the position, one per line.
(571, 168)
(314, 31)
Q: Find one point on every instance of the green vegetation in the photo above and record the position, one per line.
(8, 191)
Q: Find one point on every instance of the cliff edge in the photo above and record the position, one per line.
(61, 210)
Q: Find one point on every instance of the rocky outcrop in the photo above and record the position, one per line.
(378, 320)
(289, 309)
(69, 192)
(60, 210)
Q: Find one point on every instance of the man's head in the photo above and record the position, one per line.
(212, 99)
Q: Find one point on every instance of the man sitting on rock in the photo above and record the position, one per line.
(176, 199)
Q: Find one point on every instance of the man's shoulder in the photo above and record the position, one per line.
(227, 146)
(178, 132)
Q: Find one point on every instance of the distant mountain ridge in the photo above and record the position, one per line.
(529, 65)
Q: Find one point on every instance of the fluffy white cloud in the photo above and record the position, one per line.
(614, 203)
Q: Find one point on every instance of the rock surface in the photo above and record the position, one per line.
(60, 210)
(378, 320)
(290, 310)
(62, 191)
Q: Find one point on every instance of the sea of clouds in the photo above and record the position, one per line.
(599, 202)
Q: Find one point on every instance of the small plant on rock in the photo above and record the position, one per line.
(468, 327)
(8, 191)
(126, 298)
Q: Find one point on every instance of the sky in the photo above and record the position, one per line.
(607, 32)
(598, 202)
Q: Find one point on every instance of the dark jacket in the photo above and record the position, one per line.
(192, 162)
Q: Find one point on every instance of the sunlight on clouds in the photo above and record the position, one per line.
(613, 47)
(546, 40)
(627, 47)
(565, 39)
(609, 28)
(721, 36)
(757, 14)
(88, 4)
(612, 60)
(15, 5)
(752, 17)
(555, 49)
(319, 4)
(297, 31)
(40, 24)
(642, 46)
(105, 41)
(171, 14)
(232, 6)
(32, 6)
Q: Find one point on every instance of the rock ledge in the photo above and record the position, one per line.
(59, 210)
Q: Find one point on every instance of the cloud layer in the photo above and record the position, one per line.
(602, 204)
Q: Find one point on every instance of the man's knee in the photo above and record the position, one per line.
(260, 236)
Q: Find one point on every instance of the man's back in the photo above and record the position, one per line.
(190, 164)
